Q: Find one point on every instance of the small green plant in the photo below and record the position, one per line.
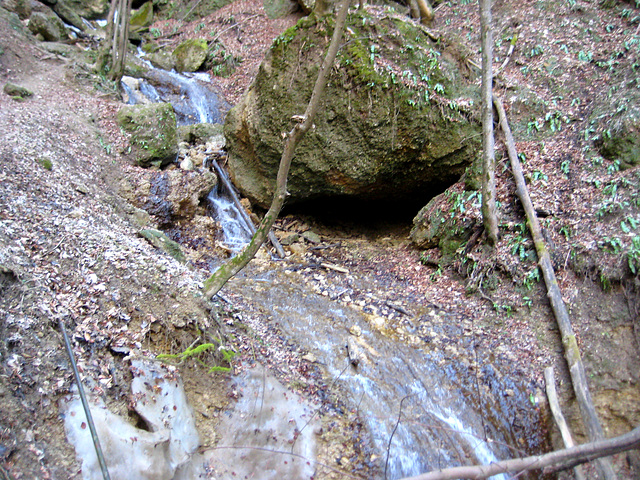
(612, 244)
(527, 302)
(566, 231)
(628, 224)
(437, 273)
(195, 352)
(533, 125)
(155, 32)
(585, 56)
(537, 175)
(506, 309)
(564, 167)
(45, 163)
(532, 278)
(613, 167)
(535, 51)
(633, 255)
(199, 27)
(105, 146)
(555, 121)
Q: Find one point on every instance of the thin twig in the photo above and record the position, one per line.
(54, 248)
(386, 462)
(85, 404)
(235, 25)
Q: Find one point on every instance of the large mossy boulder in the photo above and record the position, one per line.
(21, 7)
(143, 17)
(48, 26)
(89, 9)
(397, 116)
(190, 54)
(66, 11)
(153, 133)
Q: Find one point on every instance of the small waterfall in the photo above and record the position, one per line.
(234, 229)
(191, 94)
(193, 101)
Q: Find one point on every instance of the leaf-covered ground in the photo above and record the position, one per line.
(69, 248)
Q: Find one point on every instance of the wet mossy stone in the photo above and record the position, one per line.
(143, 17)
(437, 226)
(153, 133)
(190, 54)
(199, 133)
(162, 59)
(21, 7)
(279, 8)
(623, 143)
(67, 13)
(160, 240)
(50, 27)
(14, 90)
(398, 118)
(89, 9)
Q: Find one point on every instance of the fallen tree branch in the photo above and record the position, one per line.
(556, 411)
(550, 462)
(571, 350)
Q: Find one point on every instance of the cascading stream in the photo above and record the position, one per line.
(413, 410)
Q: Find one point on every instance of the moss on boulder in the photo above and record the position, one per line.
(398, 117)
(160, 240)
(153, 133)
(438, 225)
(49, 26)
(190, 54)
(89, 9)
(143, 17)
(14, 90)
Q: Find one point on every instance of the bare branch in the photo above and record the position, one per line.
(553, 461)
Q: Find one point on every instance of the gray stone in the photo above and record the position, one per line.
(160, 240)
(170, 196)
(190, 54)
(143, 17)
(89, 9)
(162, 59)
(14, 90)
(200, 133)
(21, 7)
(153, 133)
(49, 26)
(66, 12)
(279, 8)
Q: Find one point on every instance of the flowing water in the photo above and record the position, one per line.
(417, 407)
(191, 94)
(235, 232)
(414, 408)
